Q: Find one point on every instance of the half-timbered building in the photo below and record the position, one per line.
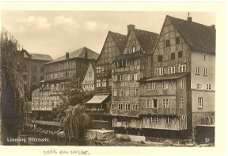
(128, 69)
(180, 93)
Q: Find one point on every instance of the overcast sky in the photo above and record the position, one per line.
(58, 32)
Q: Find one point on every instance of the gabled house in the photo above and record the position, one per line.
(113, 46)
(89, 78)
(179, 95)
(128, 69)
(99, 104)
(57, 73)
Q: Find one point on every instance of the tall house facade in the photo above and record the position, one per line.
(128, 69)
(180, 92)
(113, 46)
(37, 68)
(31, 68)
(99, 105)
(57, 73)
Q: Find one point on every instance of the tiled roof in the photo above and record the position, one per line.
(119, 39)
(200, 38)
(80, 53)
(128, 56)
(43, 57)
(146, 39)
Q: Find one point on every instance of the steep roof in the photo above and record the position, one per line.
(43, 57)
(80, 53)
(93, 64)
(200, 38)
(128, 56)
(119, 39)
(146, 39)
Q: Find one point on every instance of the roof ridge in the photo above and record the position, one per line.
(117, 33)
(146, 31)
(187, 21)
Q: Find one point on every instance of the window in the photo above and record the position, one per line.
(208, 86)
(149, 103)
(181, 102)
(135, 92)
(114, 92)
(165, 85)
(204, 71)
(98, 69)
(180, 54)
(113, 106)
(120, 77)
(204, 57)
(134, 107)
(172, 56)
(155, 103)
(198, 86)
(148, 86)
(182, 68)
(197, 71)
(132, 77)
(171, 70)
(135, 76)
(159, 58)
(200, 102)
(168, 120)
(98, 83)
(165, 103)
(182, 84)
(120, 106)
(160, 71)
(127, 107)
(104, 83)
(133, 49)
(178, 40)
(128, 92)
(167, 43)
(153, 86)
(154, 119)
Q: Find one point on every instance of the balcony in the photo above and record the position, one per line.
(96, 111)
(158, 111)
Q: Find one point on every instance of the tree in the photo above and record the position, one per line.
(12, 94)
(73, 92)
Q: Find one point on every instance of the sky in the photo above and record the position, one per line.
(58, 32)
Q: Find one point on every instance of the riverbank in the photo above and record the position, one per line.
(56, 141)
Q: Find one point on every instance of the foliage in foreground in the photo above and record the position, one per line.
(12, 94)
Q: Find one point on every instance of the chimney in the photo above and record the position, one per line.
(130, 27)
(67, 55)
(213, 26)
(189, 18)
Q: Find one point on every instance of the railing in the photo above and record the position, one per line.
(95, 110)
(41, 122)
(160, 111)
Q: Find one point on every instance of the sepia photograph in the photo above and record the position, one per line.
(108, 78)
